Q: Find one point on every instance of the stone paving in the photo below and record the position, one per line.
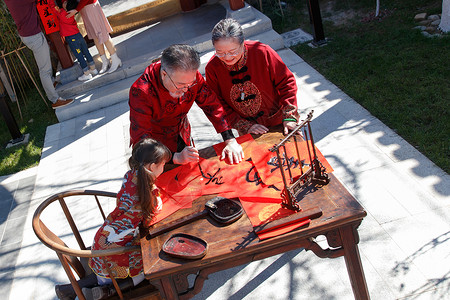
(404, 240)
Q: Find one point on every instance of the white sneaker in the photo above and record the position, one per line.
(93, 72)
(85, 77)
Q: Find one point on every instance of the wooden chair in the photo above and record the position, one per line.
(76, 259)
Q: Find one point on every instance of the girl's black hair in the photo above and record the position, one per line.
(144, 153)
(71, 4)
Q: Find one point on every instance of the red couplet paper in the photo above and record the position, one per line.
(49, 21)
(170, 205)
(263, 210)
(238, 180)
(176, 184)
(257, 181)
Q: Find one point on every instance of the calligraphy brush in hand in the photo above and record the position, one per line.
(199, 166)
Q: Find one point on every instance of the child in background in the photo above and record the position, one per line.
(138, 202)
(77, 44)
(98, 29)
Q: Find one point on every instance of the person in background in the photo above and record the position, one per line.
(98, 29)
(69, 30)
(25, 16)
(138, 202)
(254, 85)
(161, 98)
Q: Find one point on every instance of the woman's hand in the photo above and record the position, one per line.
(189, 154)
(258, 129)
(71, 13)
(288, 125)
(233, 151)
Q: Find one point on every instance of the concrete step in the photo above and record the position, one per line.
(108, 89)
(96, 99)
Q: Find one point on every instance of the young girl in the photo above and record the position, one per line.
(77, 44)
(98, 29)
(138, 202)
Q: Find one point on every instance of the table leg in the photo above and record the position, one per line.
(349, 237)
(166, 288)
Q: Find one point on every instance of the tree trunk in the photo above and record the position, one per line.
(445, 17)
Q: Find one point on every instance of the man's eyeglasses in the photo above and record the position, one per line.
(231, 53)
(181, 88)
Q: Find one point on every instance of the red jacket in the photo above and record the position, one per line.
(67, 27)
(262, 91)
(156, 114)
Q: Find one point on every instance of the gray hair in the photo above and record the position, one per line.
(226, 29)
(180, 57)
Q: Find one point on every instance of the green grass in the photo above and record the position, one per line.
(395, 72)
(36, 117)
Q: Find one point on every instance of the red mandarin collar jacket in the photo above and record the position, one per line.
(156, 114)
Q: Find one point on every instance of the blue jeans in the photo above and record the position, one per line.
(79, 48)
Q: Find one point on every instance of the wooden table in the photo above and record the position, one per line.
(237, 244)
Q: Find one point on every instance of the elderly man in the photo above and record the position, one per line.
(161, 98)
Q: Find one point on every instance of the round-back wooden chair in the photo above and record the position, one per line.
(75, 260)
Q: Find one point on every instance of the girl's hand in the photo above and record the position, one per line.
(56, 8)
(189, 154)
(71, 13)
(258, 129)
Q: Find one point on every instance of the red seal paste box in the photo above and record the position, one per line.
(186, 246)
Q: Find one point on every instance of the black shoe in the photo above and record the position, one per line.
(99, 292)
(65, 292)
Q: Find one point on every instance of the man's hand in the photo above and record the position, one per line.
(71, 13)
(189, 154)
(258, 129)
(233, 151)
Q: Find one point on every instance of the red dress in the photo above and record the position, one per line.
(120, 229)
(156, 114)
(258, 89)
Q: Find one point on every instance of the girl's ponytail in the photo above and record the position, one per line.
(145, 181)
(146, 152)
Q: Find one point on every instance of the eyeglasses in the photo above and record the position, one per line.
(231, 53)
(181, 88)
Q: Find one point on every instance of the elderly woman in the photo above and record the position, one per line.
(255, 87)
